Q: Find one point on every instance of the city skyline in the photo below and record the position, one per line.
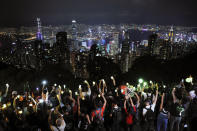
(23, 13)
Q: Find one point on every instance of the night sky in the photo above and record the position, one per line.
(56, 12)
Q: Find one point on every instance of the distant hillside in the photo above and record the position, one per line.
(150, 68)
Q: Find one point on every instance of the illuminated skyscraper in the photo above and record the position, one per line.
(115, 44)
(39, 32)
(171, 34)
(74, 35)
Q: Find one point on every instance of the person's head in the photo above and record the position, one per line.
(59, 122)
(115, 103)
(100, 104)
(147, 102)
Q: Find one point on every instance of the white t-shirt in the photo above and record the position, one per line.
(61, 128)
(148, 107)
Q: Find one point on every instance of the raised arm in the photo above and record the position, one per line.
(125, 104)
(32, 100)
(100, 82)
(59, 96)
(162, 99)
(6, 92)
(73, 101)
(14, 101)
(114, 81)
(104, 86)
(78, 103)
(105, 102)
(86, 82)
(173, 95)
(156, 96)
(116, 90)
(89, 90)
(138, 99)
(131, 101)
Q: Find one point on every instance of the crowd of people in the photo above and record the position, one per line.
(97, 106)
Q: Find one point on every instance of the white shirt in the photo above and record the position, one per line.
(61, 128)
(148, 107)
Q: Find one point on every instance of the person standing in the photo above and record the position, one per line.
(162, 118)
(175, 114)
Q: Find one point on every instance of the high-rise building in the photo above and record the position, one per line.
(81, 60)
(126, 44)
(39, 35)
(115, 44)
(125, 53)
(38, 53)
(171, 34)
(74, 35)
(151, 43)
(165, 52)
(62, 47)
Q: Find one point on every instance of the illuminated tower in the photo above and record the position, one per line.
(74, 34)
(171, 34)
(39, 32)
(115, 44)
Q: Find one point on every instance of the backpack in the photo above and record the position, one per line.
(57, 128)
(98, 119)
(83, 124)
(150, 115)
(117, 115)
(69, 122)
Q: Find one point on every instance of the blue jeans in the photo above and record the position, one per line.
(162, 120)
(175, 120)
